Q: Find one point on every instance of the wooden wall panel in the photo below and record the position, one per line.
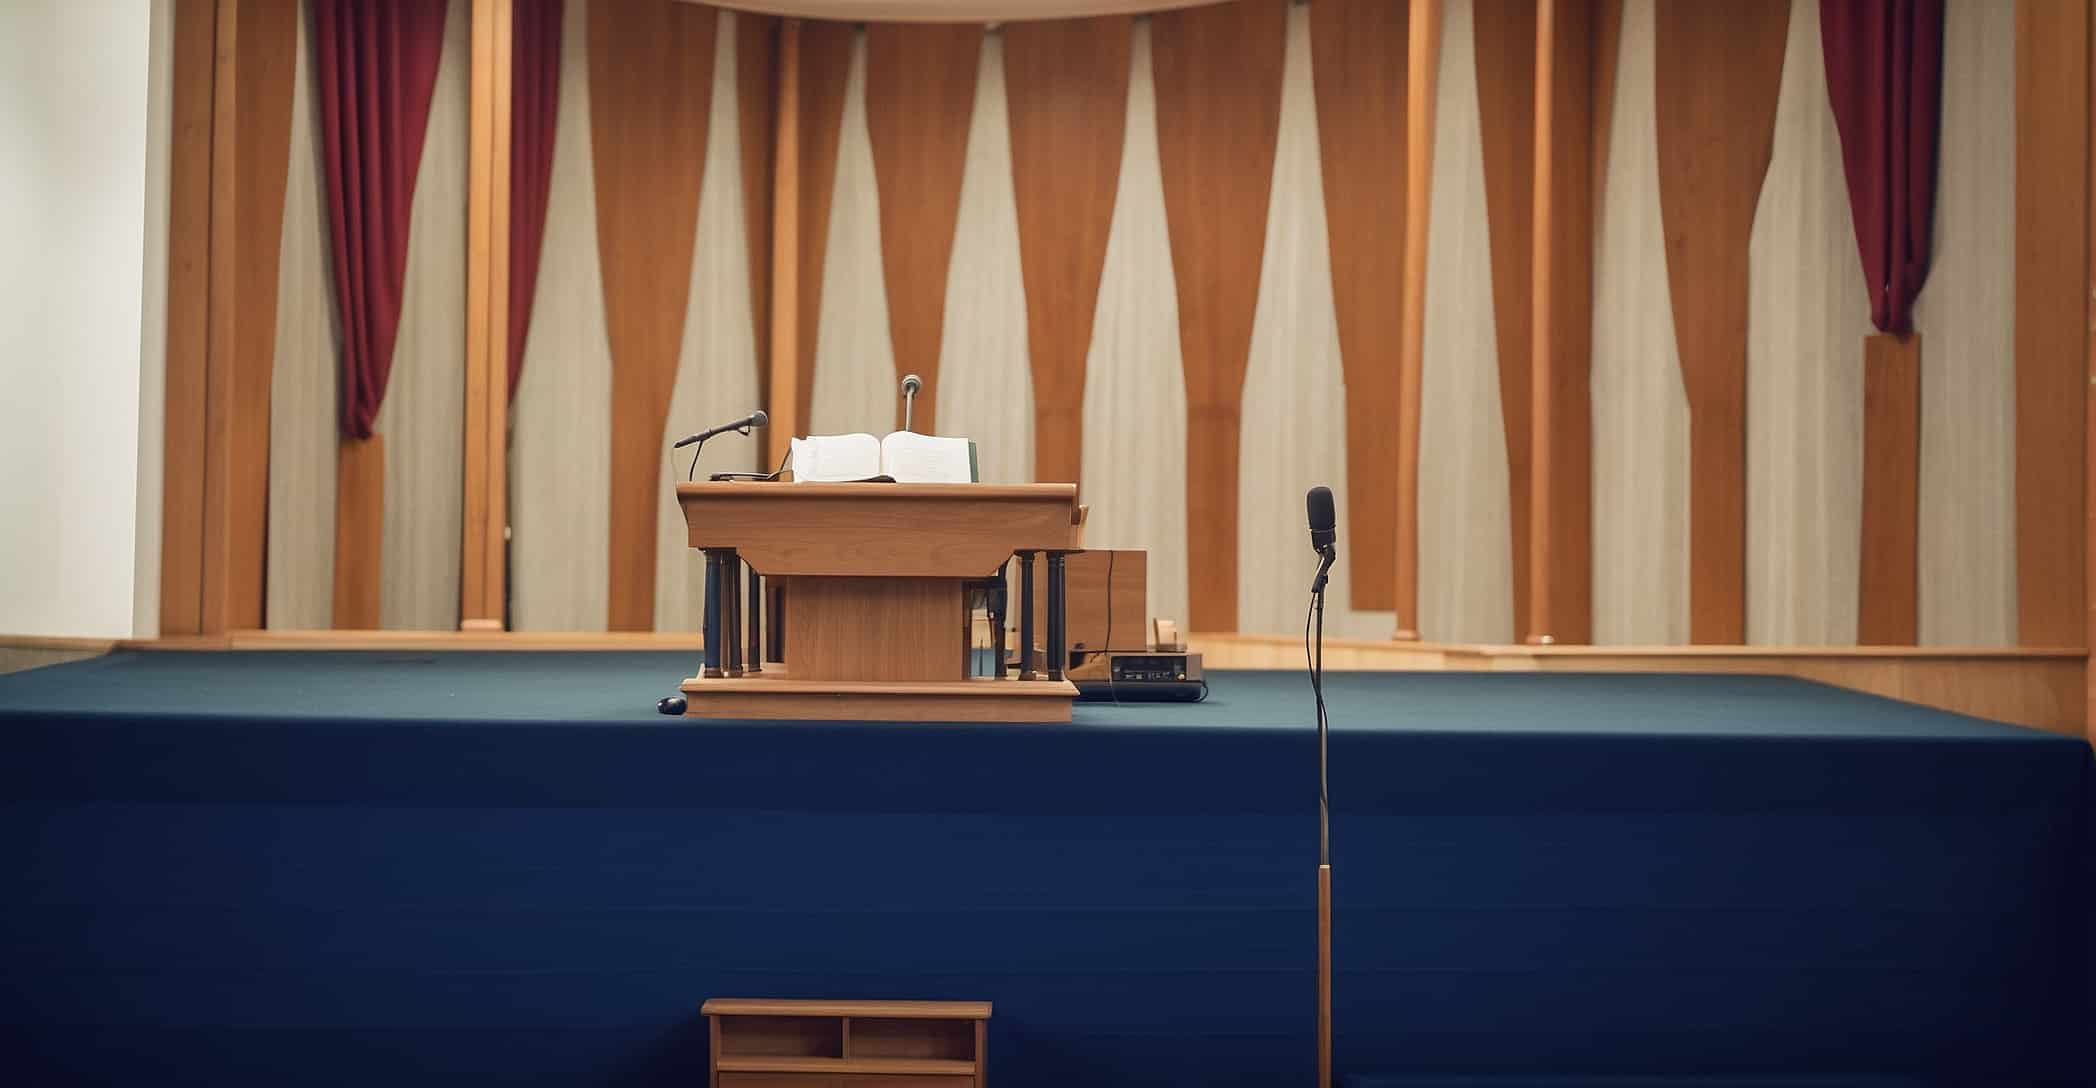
(1422, 69)
(650, 79)
(1066, 93)
(756, 85)
(1504, 33)
(1575, 77)
(1218, 74)
(1887, 606)
(266, 62)
(2052, 239)
(360, 485)
(1718, 69)
(188, 310)
(824, 66)
(920, 92)
(1359, 58)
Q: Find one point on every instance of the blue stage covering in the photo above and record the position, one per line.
(321, 868)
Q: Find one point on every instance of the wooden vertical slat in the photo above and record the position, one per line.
(920, 93)
(189, 267)
(268, 62)
(1573, 81)
(783, 376)
(1358, 71)
(1887, 611)
(1422, 67)
(1218, 73)
(651, 79)
(756, 77)
(214, 611)
(824, 57)
(2052, 247)
(1505, 35)
(2088, 478)
(1717, 70)
(487, 320)
(1066, 93)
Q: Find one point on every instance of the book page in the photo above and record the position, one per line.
(924, 459)
(836, 458)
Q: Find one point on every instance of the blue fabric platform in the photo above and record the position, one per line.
(476, 868)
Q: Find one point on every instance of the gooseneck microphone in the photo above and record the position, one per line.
(911, 386)
(754, 419)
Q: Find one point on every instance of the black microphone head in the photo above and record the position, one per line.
(758, 418)
(1323, 523)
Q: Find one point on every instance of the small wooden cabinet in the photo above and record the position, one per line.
(847, 1044)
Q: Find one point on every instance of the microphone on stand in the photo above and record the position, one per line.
(1324, 536)
(754, 419)
(911, 386)
(740, 426)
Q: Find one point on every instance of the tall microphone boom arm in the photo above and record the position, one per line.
(743, 426)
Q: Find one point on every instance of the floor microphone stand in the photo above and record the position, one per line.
(1314, 653)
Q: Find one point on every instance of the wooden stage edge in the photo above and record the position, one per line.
(2040, 687)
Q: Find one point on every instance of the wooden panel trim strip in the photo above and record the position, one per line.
(487, 322)
(2052, 247)
(224, 312)
(783, 399)
(1422, 68)
(190, 199)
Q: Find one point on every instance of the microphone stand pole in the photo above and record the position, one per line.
(1324, 841)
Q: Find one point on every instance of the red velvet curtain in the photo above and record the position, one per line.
(375, 64)
(534, 108)
(1885, 80)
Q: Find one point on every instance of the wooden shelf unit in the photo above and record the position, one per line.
(763, 1043)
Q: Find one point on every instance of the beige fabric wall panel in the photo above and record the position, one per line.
(1808, 313)
(560, 439)
(854, 360)
(423, 417)
(1966, 317)
(1294, 426)
(1466, 574)
(303, 388)
(1135, 393)
(717, 369)
(1640, 408)
(984, 389)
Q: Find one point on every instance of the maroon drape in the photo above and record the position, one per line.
(1885, 80)
(534, 107)
(375, 64)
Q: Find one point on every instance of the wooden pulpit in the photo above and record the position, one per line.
(877, 625)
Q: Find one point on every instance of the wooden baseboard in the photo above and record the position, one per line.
(772, 697)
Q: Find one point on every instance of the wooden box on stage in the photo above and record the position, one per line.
(864, 1044)
(876, 625)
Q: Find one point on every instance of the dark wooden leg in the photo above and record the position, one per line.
(1058, 652)
(999, 600)
(1026, 669)
(712, 622)
(756, 663)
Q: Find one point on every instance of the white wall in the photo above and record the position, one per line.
(73, 95)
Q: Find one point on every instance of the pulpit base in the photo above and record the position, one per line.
(773, 697)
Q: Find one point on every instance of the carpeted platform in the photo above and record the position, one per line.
(346, 868)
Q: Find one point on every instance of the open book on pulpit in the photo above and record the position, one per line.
(903, 457)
